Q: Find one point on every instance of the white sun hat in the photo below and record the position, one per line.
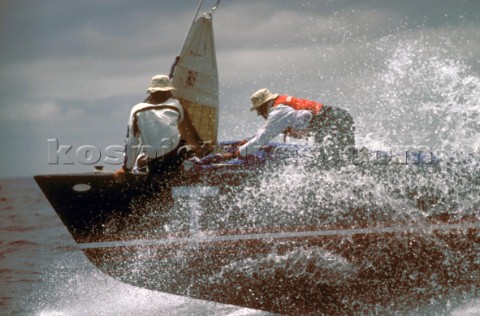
(260, 97)
(160, 83)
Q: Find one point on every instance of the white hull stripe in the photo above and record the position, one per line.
(199, 237)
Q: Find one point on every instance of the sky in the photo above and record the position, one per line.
(70, 71)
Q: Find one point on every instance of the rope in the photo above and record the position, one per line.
(198, 10)
(215, 6)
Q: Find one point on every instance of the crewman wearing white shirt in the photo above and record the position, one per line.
(153, 130)
(299, 117)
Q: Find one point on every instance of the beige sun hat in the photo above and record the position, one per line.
(260, 97)
(160, 83)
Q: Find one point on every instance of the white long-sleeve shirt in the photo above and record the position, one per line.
(158, 131)
(279, 118)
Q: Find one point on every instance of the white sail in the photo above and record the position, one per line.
(196, 79)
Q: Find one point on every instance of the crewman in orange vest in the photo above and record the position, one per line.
(333, 128)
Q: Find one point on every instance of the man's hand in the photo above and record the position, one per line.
(229, 156)
(120, 173)
(295, 133)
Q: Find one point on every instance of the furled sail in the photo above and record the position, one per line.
(196, 79)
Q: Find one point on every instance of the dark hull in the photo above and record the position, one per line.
(165, 234)
(84, 212)
(87, 202)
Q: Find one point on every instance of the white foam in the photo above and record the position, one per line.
(470, 309)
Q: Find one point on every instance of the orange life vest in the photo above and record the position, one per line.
(299, 104)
